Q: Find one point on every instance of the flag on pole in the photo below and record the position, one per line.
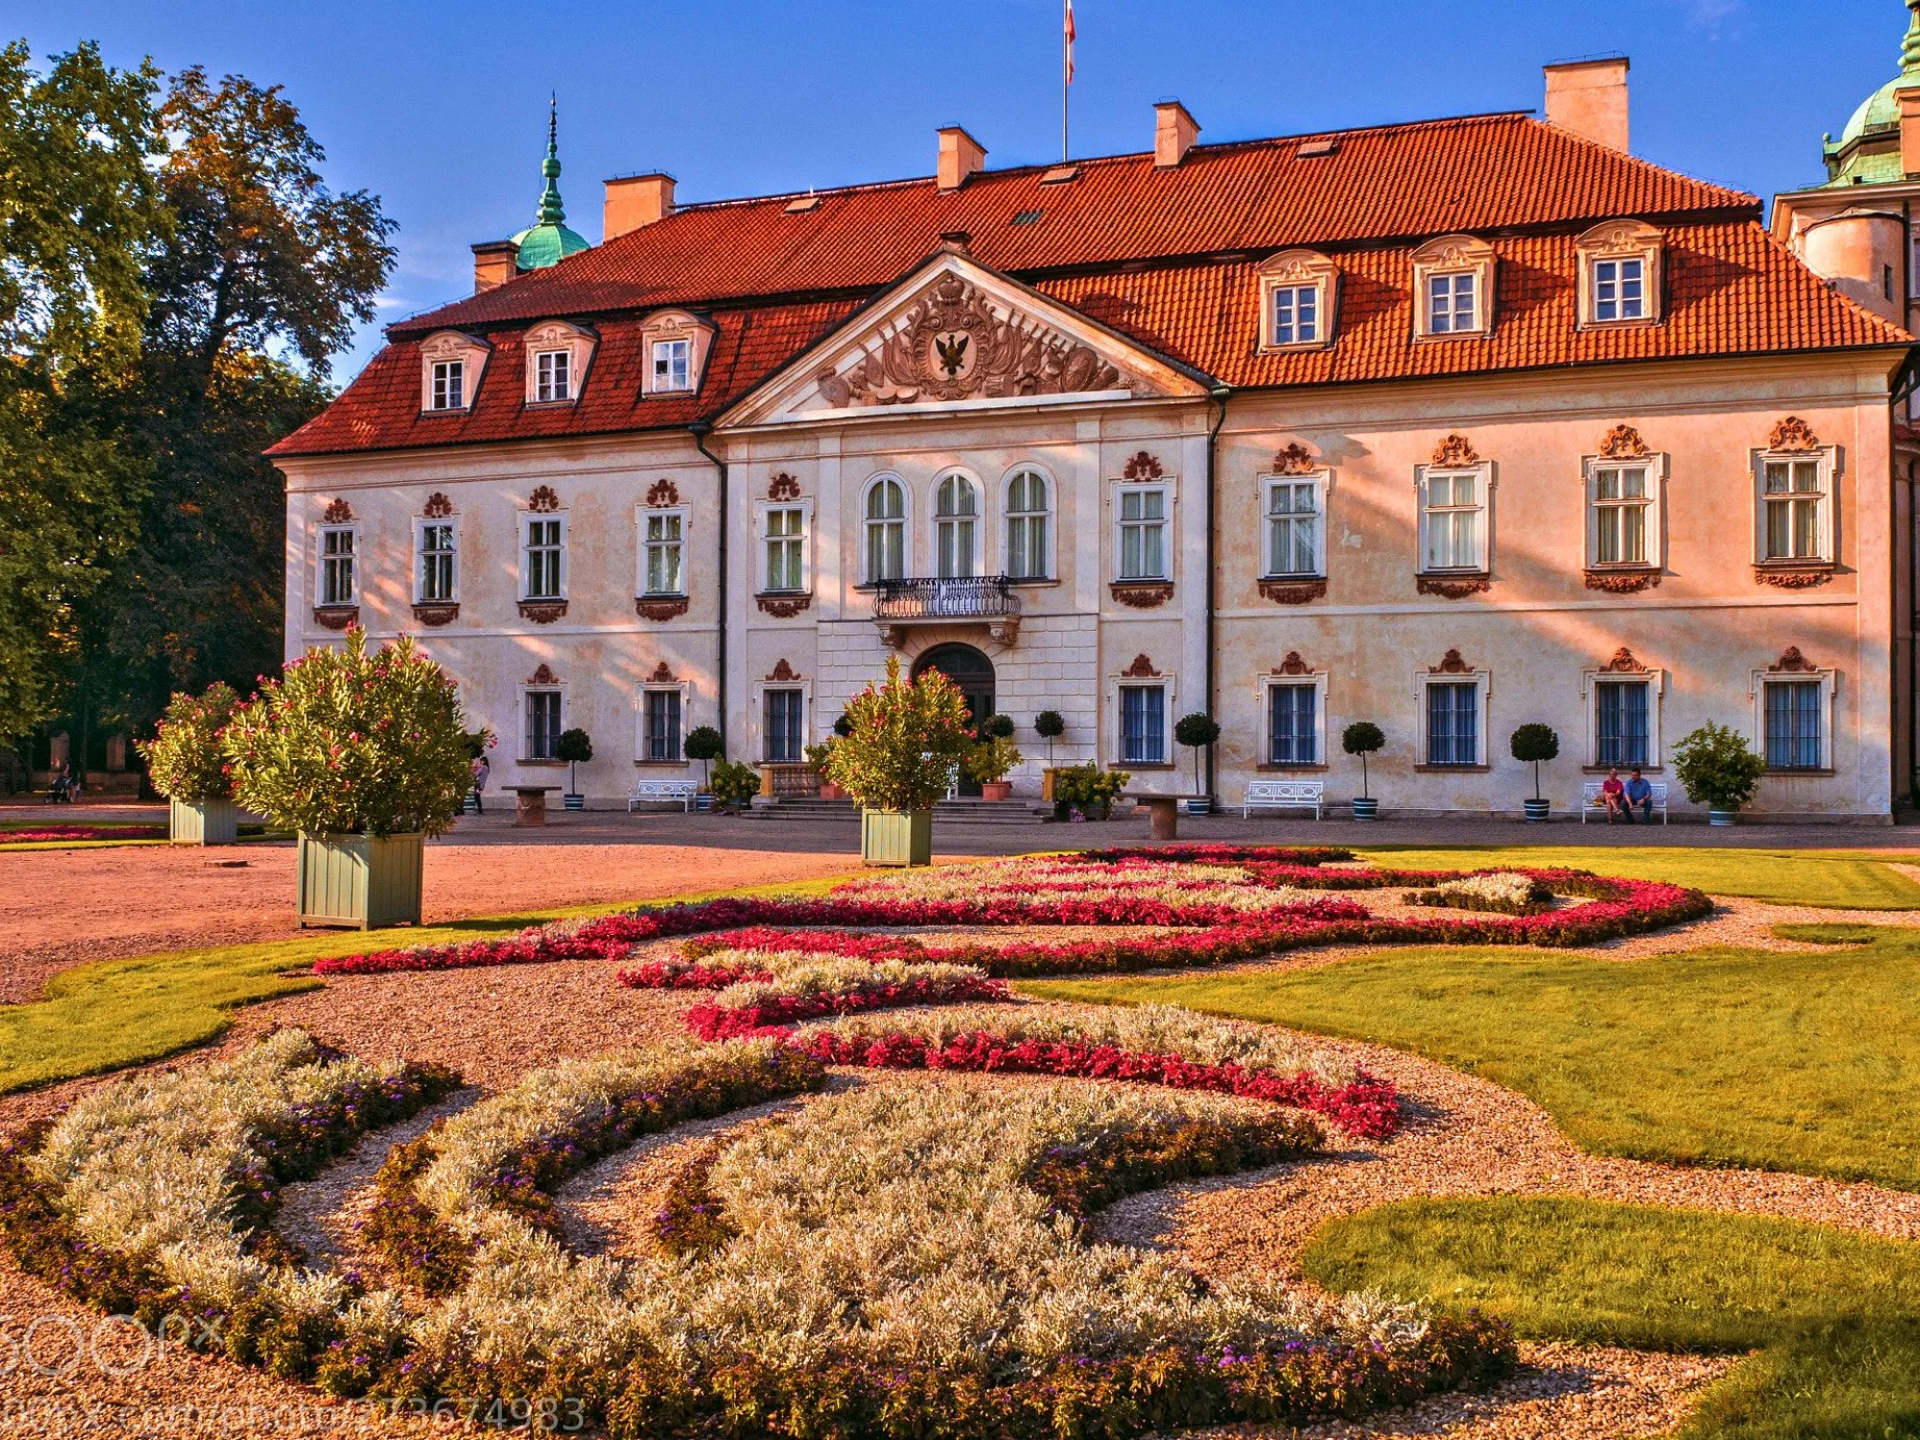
(1069, 42)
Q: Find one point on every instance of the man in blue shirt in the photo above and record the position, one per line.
(1639, 795)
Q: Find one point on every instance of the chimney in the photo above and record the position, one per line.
(1910, 131)
(1174, 132)
(493, 264)
(1589, 98)
(635, 200)
(960, 157)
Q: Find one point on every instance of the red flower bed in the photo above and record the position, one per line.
(1367, 1106)
(53, 834)
(709, 1021)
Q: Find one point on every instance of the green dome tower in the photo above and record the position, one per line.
(548, 241)
(1868, 151)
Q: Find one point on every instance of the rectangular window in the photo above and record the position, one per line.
(449, 384)
(1619, 289)
(543, 724)
(1453, 520)
(1450, 303)
(786, 549)
(545, 550)
(337, 577)
(1620, 501)
(1621, 712)
(673, 364)
(1793, 724)
(1795, 506)
(553, 375)
(663, 724)
(1293, 527)
(1453, 723)
(1291, 725)
(1296, 314)
(438, 555)
(1143, 725)
(664, 549)
(1143, 534)
(785, 734)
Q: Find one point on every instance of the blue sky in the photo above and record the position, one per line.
(439, 107)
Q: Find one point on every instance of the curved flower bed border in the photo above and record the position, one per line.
(57, 834)
(711, 1021)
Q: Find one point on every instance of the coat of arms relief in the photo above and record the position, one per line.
(954, 345)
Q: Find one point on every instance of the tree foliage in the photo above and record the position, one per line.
(1717, 768)
(907, 735)
(185, 757)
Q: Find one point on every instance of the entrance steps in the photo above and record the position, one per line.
(947, 812)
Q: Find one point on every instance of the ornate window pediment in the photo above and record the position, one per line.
(1453, 278)
(673, 352)
(1299, 300)
(559, 354)
(1620, 264)
(451, 364)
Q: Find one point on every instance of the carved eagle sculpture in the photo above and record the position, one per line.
(953, 352)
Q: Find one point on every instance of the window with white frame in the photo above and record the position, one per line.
(1623, 722)
(956, 528)
(785, 727)
(1299, 292)
(1029, 526)
(1453, 287)
(1795, 508)
(1293, 722)
(663, 542)
(1451, 308)
(673, 364)
(1793, 723)
(1453, 520)
(553, 375)
(1141, 544)
(436, 562)
(1622, 500)
(885, 526)
(543, 724)
(449, 385)
(786, 547)
(543, 558)
(1143, 724)
(1295, 536)
(660, 725)
(1452, 722)
(1619, 289)
(339, 572)
(1294, 318)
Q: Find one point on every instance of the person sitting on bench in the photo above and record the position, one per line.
(1639, 792)
(1613, 796)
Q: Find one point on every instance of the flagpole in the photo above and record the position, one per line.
(1066, 70)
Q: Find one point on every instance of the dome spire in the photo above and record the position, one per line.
(552, 210)
(548, 241)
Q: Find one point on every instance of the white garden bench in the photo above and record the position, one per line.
(646, 791)
(1284, 795)
(1590, 799)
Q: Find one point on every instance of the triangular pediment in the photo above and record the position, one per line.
(954, 335)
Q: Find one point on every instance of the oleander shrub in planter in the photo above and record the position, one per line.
(186, 764)
(1717, 769)
(898, 762)
(365, 754)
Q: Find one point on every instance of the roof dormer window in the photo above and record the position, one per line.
(1453, 288)
(449, 385)
(559, 355)
(675, 345)
(673, 364)
(451, 364)
(1620, 274)
(1298, 292)
(553, 375)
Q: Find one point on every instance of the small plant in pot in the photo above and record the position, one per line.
(733, 783)
(1718, 770)
(898, 762)
(185, 764)
(990, 762)
(1364, 738)
(705, 744)
(1088, 789)
(364, 754)
(817, 763)
(1197, 731)
(575, 747)
(1531, 744)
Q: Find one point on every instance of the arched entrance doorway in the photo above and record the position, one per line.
(972, 673)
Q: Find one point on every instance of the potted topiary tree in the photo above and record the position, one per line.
(1717, 769)
(365, 755)
(1049, 725)
(1364, 738)
(703, 743)
(185, 764)
(1197, 731)
(898, 762)
(575, 747)
(1531, 744)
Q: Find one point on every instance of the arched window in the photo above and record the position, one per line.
(1028, 518)
(886, 524)
(956, 513)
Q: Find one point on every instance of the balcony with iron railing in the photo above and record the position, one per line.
(985, 599)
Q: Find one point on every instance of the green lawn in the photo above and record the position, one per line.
(1835, 1317)
(114, 1013)
(1797, 1061)
(1834, 879)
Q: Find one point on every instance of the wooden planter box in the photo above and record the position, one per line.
(201, 822)
(895, 837)
(363, 882)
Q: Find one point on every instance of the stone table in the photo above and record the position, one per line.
(530, 804)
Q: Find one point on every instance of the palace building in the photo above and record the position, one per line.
(1450, 426)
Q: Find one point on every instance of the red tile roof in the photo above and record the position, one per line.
(1163, 256)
